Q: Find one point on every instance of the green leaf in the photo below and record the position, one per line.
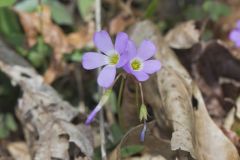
(76, 56)
(28, 5)
(36, 58)
(238, 132)
(60, 14)
(4, 132)
(194, 12)
(10, 27)
(131, 150)
(113, 102)
(6, 3)
(39, 53)
(117, 133)
(10, 122)
(216, 9)
(151, 8)
(86, 8)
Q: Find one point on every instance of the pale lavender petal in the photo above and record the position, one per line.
(127, 68)
(107, 76)
(93, 114)
(92, 60)
(103, 42)
(131, 50)
(238, 24)
(237, 43)
(121, 42)
(140, 75)
(151, 66)
(143, 132)
(123, 60)
(234, 35)
(146, 50)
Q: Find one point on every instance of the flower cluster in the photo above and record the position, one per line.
(123, 54)
(235, 34)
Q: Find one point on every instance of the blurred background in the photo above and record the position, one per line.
(52, 36)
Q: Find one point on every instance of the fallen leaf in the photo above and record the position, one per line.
(45, 117)
(19, 150)
(124, 19)
(184, 110)
(153, 143)
(36, 23)
(183, 36)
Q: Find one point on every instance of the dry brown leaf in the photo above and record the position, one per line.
(121, 22)
(130, 118)
(124, 19)
(19, 150)
(238, 107)
(45, 117)
(183, 36)
(147, 157)
(82, 37)
(36, 23)
(182, 103)
(153, 143)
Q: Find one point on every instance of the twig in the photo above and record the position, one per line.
(100, 91)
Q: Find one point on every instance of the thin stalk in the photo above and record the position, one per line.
(141, 92)
(100, 91)
(120, 93)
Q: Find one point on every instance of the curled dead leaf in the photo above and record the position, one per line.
(182, 104)
(183, 36)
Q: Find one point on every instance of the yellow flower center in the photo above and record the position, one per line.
(136, 64)
(113, 59)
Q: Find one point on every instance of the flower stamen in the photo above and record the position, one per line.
(114, 59)
(136, 64)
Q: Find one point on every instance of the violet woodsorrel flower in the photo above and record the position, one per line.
(111, 57)
(235, 34)
(103, 100)
(138, 63)
(143, 132)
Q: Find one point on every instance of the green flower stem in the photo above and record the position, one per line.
(141, 92)
(120, 93)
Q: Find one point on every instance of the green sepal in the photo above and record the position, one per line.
(143, 112)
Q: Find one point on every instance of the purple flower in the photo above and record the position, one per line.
(111, 57)
(235, 35)
(101, 103)
(139, 64)
(93, 114)
(143, 132)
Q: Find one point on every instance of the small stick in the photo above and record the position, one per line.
(100, 91)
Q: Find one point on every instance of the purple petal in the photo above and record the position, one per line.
(127, 68)
(121, 42)
(123, 60)
(103, 42)
(92, 60)
(234, 35)
(140, 75)
(143, 132)
(238, 24)
(107, 76)
(131, 50)
(151, 66)
(93, 114)
(146, 50)
(237, 43)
